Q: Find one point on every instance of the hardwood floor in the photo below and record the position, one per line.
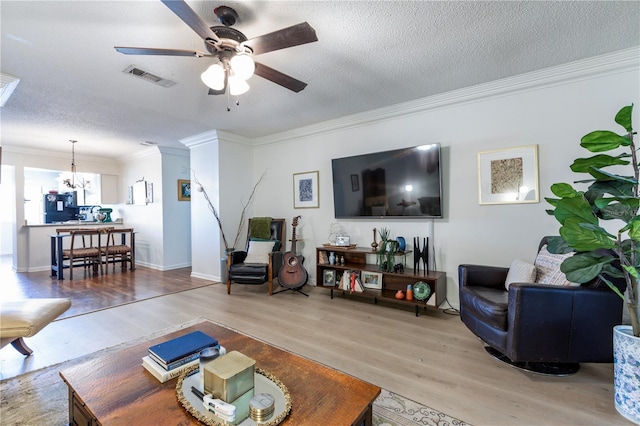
(90, 292)
(432, 359)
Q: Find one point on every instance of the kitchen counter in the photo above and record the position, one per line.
(73, 223)
(38, 237)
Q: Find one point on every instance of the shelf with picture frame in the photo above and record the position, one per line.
(378, 285)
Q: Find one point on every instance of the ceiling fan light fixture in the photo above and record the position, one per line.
(237, 86)
(213, 77)
(242, 66)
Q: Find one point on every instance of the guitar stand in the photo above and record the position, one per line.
(298, 289)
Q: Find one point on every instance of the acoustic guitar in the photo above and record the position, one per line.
(292, 274)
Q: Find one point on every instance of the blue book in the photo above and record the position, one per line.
(181, 347)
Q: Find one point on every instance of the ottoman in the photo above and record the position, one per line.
(25, 318)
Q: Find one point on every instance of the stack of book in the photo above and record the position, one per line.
(350, 282)
(167, 360)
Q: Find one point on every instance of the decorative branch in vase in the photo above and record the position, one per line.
(215, 212)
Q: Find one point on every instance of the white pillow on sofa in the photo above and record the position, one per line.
(520, 272)
(259, 251)
(548, 266)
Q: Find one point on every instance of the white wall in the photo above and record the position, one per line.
(205, 235)
(552, 108)
(222, 163)
(147, 220)
(8, 211)
(176, 217)
(237, 181)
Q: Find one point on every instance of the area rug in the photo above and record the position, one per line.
(41, 397)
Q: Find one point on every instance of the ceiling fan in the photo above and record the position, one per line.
(233, 50)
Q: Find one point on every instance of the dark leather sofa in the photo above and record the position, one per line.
(537, 323)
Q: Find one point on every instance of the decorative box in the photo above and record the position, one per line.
(230, 376)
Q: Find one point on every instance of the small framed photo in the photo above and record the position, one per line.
(343, 240)
(508, 176)
(305, 190)
(149, 192)
(329, 277)
(184, 190)
(371, 280)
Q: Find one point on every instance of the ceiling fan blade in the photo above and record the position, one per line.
(279, 78)
(165, 52)
(191, 18)
(281, 39)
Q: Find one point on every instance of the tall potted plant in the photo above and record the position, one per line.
(609, 197)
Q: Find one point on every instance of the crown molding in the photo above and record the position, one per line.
(215, 136)
(611, 63)
(140, 154)
(14, 149)
(166, 150)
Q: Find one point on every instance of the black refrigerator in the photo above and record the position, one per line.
(60, 207)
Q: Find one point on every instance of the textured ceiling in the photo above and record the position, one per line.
(370, 54)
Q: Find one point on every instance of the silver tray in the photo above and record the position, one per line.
(263, 383)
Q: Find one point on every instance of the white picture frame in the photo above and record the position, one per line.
(343, 240)
(306, 193)
(140, 193)
(372, 280)
(508, 176)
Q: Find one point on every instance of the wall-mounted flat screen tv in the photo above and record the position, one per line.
(402, 183)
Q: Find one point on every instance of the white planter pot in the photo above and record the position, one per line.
(626, 372)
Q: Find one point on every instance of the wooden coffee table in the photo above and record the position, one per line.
(116, 389)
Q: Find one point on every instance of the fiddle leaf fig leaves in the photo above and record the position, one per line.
(576, 208)
(610, 196)
(584, 165)
(564, 190)
(634, 229)
(603, 140)
(623, 118)
(557, 245)
(583, 267)
(585, 237)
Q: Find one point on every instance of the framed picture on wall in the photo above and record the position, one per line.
(508, 176)
(305, 190)
(184, 190)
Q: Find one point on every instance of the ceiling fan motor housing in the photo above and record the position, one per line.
(226, 15)
(230, 39)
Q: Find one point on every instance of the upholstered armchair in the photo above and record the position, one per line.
(546, 328)
(261, 260)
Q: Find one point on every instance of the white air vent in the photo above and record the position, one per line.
(137, 72)
(8, 84)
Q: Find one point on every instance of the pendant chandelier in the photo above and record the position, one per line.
(71, 183)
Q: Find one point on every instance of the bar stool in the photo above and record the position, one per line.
(82, 254)
(123, 251)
